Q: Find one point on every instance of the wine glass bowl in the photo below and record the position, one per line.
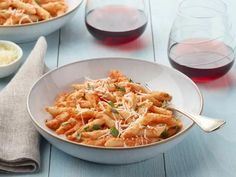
(200, 42)
(116, 21)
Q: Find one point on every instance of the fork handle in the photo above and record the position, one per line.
(205, 123)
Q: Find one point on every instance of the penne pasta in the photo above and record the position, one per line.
(113, 112)
(15, 12)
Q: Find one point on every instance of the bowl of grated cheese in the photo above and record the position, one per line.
(10, 58)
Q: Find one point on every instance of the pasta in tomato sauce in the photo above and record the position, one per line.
(113, 112)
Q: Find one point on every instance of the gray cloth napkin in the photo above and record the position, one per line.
(19, 140)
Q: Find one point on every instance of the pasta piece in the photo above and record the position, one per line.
(161, 96)
(92, 98)
(41, 12)
(160, 110)
(5, 4)
(99, 142)
(108, 121)
(78, 125)
(152, 99)
(114, 142)
(95, 134)
(53, 124)
(137, 88)
(54, 110)
(65, 126)
(117, 76)
(75, 95)
(28, 8)
(152, 118)
(89, 126)
(85, 104)
(86, 114)
(55, 8)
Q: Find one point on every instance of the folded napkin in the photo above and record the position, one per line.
(19, 140)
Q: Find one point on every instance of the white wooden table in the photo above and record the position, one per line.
(199, 155)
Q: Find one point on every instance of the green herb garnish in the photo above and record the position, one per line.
(97, 127)
(65, 124)
(86, 128)
(114, 132)
(78, 136)
(164, 134)
(111, 104)
(122, 89)
(130, 80)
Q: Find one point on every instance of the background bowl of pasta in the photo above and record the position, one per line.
(106, 115)
(26, 20)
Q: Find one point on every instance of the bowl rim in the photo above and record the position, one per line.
(79, 2)
(182, 132)
(18, 48)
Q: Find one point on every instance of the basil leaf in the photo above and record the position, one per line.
(86, 128)
(78, 136)
(96, 127)
(164, 134)
(114, 132)
(111, 104)
(122, 89)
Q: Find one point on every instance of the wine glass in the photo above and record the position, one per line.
(116, 21)
(200, 42)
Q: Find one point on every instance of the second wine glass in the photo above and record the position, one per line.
(200, 43)
(116, 21)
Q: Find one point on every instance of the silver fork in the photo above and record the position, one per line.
(205, 123)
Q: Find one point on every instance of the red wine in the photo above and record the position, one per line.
(201, 60)
(116, 23)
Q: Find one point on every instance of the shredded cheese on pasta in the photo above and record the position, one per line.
(113, 112)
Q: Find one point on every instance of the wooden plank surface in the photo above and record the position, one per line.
(201, 154)
(76, 44)
(67, 166)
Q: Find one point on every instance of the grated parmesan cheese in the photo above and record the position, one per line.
(8, 54)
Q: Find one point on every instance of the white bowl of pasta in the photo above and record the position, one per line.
(26, 20)
(94, 113)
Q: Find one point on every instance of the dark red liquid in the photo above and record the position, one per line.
(116, 24)
(203, 61)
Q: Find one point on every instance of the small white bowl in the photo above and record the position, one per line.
(8, 69)
(31, 31)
